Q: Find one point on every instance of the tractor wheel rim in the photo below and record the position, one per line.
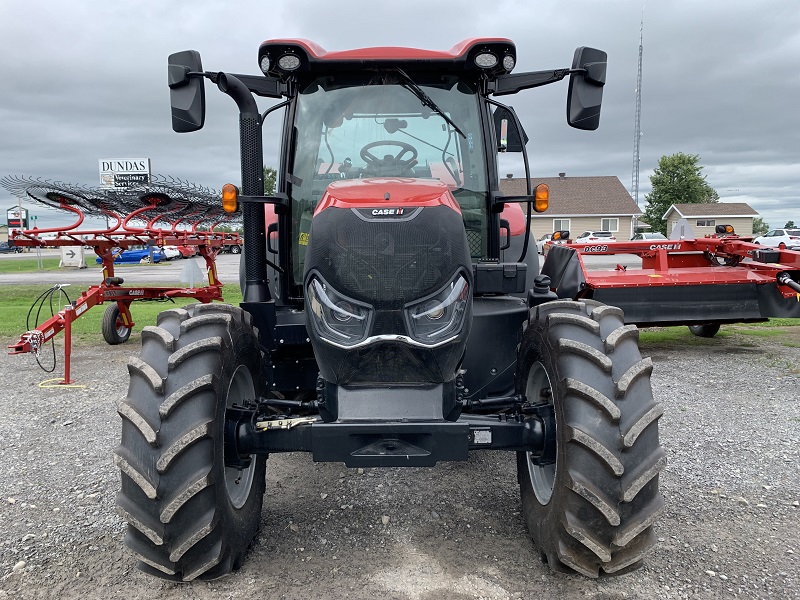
(238, 482)
(542, 476)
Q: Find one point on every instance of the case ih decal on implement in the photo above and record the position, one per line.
(702, 282)
(381, 338)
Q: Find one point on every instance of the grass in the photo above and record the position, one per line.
(768, 332)
(16, 302)
(680, 333)
(773, 323)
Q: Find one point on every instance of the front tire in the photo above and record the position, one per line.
(593, 509)
(189, 516)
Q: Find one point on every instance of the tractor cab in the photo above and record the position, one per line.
(413, 117)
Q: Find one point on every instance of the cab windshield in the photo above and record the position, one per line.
(355, 128)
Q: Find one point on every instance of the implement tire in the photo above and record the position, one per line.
(594, 508)
(114, 330)
(189, 516)
(706, 330)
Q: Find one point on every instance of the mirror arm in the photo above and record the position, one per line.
(259, 85)
(513, 83)
(279, 200)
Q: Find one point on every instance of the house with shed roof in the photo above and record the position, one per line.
(703, 218)
(580, 204)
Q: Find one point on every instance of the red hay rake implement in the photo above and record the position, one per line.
(167, 212)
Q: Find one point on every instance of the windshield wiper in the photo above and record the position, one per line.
(426, 100)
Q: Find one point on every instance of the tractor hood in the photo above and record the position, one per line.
(388, 282)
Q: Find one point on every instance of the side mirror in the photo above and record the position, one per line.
(509, 137)
(585, 93)
(186, 92)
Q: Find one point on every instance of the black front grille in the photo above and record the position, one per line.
(387, 262)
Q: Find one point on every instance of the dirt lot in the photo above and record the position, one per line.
(731, 430)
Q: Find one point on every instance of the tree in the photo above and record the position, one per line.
(759, 226)
(270, 177)
(789, 225)
(676, 180)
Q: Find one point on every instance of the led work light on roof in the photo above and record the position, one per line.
(264, 64)
(486, 60)
(289, 62)
(508, 62)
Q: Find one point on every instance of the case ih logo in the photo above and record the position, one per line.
(387, 212)
(377, 214)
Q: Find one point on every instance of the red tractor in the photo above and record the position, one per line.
(393, 315)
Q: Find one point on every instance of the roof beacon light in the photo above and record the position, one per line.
(486, 60)
(508, 62)
(264, 64)
(230, 198)
(542, 198)
(289, 62)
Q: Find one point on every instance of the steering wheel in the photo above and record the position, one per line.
(374, 162)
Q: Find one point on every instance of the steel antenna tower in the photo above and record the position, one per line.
(637, 133)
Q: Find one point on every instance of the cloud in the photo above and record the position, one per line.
(88, 80)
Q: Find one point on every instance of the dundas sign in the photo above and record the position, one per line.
(124, 172)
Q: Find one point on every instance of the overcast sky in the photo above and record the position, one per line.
(87, 80)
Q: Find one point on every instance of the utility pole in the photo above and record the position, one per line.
(637, 131)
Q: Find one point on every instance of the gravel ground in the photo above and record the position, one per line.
(731, 430)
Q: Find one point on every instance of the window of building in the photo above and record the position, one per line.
(706, 222)
(609, 224)
(560, 224)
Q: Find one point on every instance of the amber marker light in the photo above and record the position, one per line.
(230, 198)
(557, 235)
(542, 200)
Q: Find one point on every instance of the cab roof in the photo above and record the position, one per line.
(314, 58)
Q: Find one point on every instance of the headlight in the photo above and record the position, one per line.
(441, 315)
(335, 318)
